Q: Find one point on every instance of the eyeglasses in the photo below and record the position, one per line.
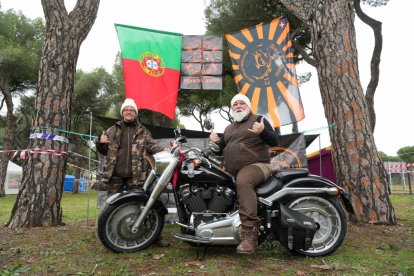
(128, 110)
(239, 103)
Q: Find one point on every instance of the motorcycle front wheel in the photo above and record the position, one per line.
(330, 219)
(115, 222)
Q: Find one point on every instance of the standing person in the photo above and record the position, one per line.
(125, 145)
(245, 144)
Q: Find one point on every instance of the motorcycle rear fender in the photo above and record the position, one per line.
(320, 182)
(311, 181)
(304, 185)
(138, 196)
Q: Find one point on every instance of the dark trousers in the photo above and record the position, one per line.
(247, 179)
(117, 184)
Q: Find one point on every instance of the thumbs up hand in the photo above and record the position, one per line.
(257, 127)
(104, 139)
(214, 136)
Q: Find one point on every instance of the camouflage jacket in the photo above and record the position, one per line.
(142, 145)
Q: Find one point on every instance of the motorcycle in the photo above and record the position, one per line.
(300, 210)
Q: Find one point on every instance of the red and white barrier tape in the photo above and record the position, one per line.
(400, 165)
(400, 171)
(83, 169)
(24, 152)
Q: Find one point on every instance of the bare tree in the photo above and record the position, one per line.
(20, 47)
(38, 201)
(357, 164)
(375, 60)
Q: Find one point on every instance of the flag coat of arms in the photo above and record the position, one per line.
(264, 70)
(151, 61)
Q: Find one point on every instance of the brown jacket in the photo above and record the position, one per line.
(241, 147)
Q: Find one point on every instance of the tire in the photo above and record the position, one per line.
(114, 227)
(330, 219)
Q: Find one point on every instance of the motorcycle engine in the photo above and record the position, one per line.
(207, 202)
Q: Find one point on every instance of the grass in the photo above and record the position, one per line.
(74, 249)
(75, 207)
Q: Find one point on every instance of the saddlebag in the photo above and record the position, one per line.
(294, 229)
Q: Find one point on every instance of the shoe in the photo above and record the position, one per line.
(248, 237)
(160, 242)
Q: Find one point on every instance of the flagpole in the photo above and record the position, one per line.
(89, 165)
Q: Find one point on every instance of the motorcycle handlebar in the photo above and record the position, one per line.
(203, 154)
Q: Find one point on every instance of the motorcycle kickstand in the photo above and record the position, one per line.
(201, 258)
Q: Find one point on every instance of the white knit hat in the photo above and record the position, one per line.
(129, 102)
(241, 97)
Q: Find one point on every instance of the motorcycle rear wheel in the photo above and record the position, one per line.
(114, 224)
(331, 220)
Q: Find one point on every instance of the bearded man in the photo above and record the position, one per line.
(245, 144)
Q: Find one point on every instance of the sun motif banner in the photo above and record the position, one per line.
(264, 70)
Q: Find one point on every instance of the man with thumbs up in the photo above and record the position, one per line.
(245, 145)
(126, 144)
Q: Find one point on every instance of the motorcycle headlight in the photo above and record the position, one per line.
(162, 159)
(191, 155)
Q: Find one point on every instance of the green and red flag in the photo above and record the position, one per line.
(151, 60)
(264, 70)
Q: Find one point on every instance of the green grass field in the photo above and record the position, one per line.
(75, 207)
(74, 249)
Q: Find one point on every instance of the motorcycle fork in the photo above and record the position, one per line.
(159, 187)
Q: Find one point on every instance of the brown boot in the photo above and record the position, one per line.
(248, 237)
(160, 242)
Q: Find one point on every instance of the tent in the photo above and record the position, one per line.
(13, 178)
(320, 163)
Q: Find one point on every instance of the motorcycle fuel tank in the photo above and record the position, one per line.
(203, 173)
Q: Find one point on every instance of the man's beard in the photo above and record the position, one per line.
(240, 116)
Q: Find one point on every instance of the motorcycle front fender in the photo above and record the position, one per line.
(135, 195)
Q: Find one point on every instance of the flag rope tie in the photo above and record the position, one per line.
(48, 136)
(63, 131)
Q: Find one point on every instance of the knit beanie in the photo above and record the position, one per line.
(129, 102)
(241, 97)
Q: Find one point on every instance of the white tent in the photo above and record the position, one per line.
(13, 178)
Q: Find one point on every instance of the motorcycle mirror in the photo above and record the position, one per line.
(177, 132)
(181, 139)
(214, 147)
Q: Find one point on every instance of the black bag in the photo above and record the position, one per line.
(294, 229)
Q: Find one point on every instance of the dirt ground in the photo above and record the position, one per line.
(75, 249)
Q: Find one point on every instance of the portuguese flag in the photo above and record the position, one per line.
(151, 60)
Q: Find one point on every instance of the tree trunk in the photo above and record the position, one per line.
(8, 134)
(357, 164)
(38, 202)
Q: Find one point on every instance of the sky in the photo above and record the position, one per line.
(393, 100)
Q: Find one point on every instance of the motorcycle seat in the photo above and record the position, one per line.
(271, 185)
(275, 182)
(287, 174)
